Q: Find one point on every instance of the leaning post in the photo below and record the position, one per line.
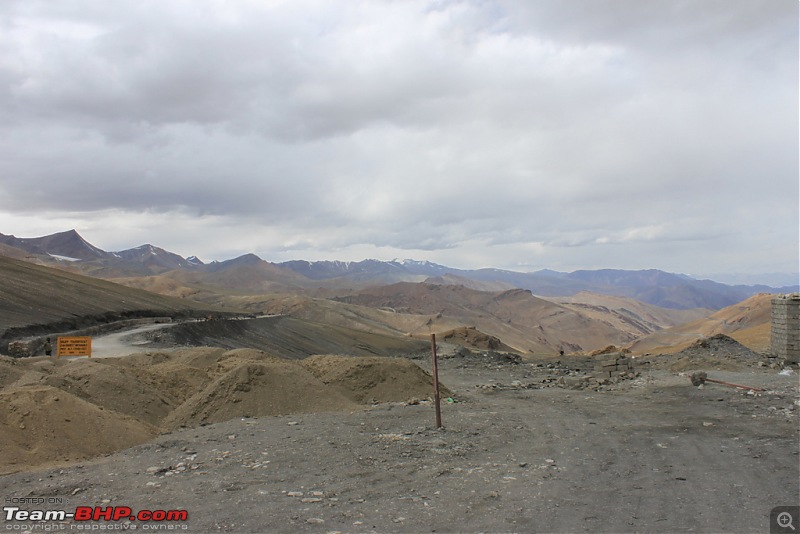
(435, 369)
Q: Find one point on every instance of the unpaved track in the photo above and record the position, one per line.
(121, 343)
(655, 455)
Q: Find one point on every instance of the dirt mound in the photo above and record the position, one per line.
(722, 346)
(182, 373)
(9, 371)
(471, 337)
(43, 424)
(718, 352)
(115, 387)
(254, 389)
(68, 409)
(373, 379)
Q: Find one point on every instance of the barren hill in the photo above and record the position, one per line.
(10, 251)
(245, 275)
(165, 285)
(516, 317)
(37, 295)
(629, 315)
(68, 244)
(54, 411)
(289, 337)
(477, 285)
(748, 322)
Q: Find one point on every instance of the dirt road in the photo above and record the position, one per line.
(653, 454)
(123, 343)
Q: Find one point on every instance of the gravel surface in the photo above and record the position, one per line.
(517, 453)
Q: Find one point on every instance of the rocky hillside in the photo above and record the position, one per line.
(34, 296)
(748, 322)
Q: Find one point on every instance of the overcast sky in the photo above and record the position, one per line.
(562, 134)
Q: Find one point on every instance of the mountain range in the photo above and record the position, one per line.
(249, 273)
(486, 309)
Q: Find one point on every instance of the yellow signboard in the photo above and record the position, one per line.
(75, 346)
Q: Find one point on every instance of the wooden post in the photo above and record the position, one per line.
(435, 369)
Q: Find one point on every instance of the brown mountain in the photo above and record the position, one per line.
(748, 322)
(67, 244)
(36, 295)
(247, 275)
(627, 314)
(10, 251)
(38, 300)
(516, 317)
(475, 302)
(455, 280)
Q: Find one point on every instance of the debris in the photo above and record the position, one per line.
(698, 379)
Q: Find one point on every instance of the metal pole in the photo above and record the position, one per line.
(436, 400)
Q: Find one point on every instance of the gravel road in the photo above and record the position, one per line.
(123, 343)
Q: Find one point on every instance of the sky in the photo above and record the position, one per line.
(578, 134)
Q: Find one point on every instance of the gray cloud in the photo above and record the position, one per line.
(510, 134)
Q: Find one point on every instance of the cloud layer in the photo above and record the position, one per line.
(521, 135)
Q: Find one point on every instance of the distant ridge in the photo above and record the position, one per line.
(67, 244)
(652, 286)
(355, 270)
(249, 273)
(70, 246)
(156, 258)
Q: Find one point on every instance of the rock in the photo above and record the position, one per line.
(573, 382)
(698, 378)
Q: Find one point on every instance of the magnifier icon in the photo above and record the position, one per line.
(785, 520)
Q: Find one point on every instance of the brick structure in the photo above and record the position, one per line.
(785, 340)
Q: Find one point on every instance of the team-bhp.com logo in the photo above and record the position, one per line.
(84, 516)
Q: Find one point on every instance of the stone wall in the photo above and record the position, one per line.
(613, 366)
(785, 340)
